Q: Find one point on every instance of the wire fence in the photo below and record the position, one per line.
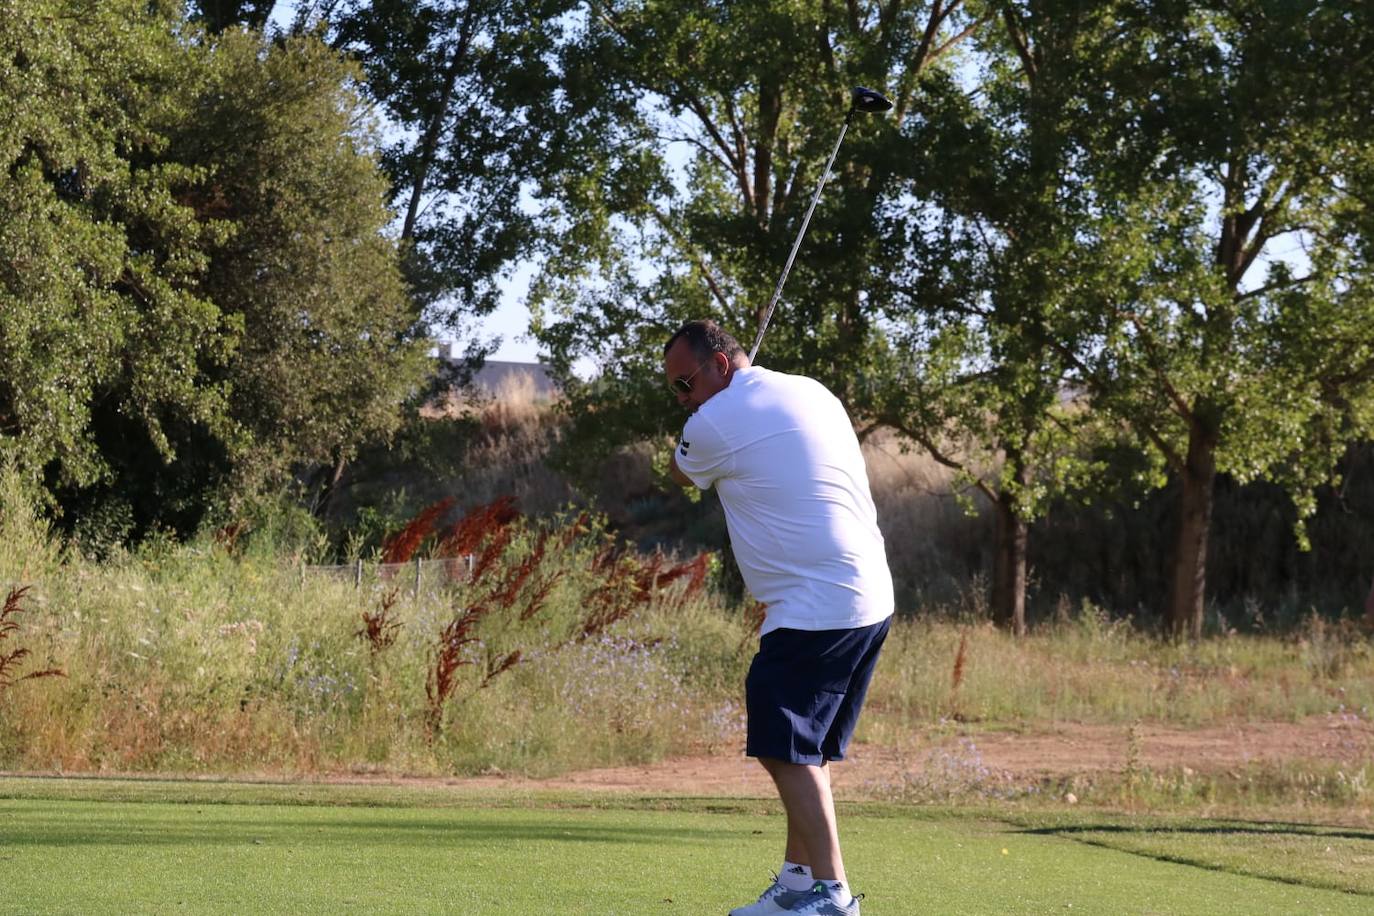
(414, 576)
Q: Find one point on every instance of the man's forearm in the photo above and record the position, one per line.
(676, 473)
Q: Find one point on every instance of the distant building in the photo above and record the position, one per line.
(500, 377)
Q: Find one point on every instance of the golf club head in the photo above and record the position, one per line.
(869, 101)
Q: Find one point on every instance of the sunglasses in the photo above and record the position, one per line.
(683, 383)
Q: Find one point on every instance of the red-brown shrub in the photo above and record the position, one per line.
(401, 546)
(467, 534)
(379, 627)
(9, 626)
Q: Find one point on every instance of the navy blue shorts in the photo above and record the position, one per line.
(805, 689)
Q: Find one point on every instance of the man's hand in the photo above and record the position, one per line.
(683, 480)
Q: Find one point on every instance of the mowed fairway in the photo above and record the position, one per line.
(96, 846)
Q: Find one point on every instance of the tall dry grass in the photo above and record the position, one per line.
(190, 659)
(563, 653)
(508, 435)
(938, 547)
(1114, 554)
(1088, 668)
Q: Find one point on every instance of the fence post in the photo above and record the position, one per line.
(418, 561)
(358, 574)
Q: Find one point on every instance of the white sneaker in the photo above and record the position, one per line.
(816, 902)
(777, 899)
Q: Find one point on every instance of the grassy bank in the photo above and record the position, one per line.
(559, 653)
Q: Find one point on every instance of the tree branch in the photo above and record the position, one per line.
(972, 27)
(696, 141)
(690, 250)
(1090, 377)
(940, 457)
(1152, 354)
(741, 154)
(827, 50)
(887, 16)
(937, 15)
(1019, 41)
(430, 144)
(695, 105)
(1270, 287)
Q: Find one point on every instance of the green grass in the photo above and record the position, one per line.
(119, 846)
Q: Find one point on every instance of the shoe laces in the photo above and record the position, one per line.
(819, 899)
(774, 889)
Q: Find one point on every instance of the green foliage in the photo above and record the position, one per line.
(330, 348)
(218, 15)
(1241, 346)
(468, 87)
(1102, 247)
(198, 295)
(754, 95)
(98, 315)
(987, 269)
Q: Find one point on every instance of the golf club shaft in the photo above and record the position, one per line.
(806, 221)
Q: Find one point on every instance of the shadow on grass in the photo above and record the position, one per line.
(278, 833)
(1261, 829)
(1101, 836)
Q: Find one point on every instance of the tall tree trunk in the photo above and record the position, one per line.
(1184, 613)
(332, 476)
(1009, 563)
(770, 111)
(429, 143)
(1009, 569)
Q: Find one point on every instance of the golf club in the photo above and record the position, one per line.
(861, 99)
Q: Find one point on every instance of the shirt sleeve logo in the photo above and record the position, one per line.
(684, 446)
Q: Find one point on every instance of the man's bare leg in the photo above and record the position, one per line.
(813, 837)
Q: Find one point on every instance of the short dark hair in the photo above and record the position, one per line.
(705, 338)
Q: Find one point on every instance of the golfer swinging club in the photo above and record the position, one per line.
(783, 457)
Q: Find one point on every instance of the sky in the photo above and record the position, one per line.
(511, 320)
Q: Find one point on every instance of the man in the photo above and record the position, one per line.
(783, 457)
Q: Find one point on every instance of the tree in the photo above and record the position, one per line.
(461, 85)
(1245, 349)
(218, 15)
(332, 346)
(90, 318)
(198, 294)
(985, 266)
(465, 86)
(714, 123)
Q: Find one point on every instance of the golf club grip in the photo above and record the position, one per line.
(806, 221)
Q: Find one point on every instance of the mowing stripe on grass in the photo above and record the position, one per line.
(88, 856)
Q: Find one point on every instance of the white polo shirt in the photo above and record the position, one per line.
(783, 457)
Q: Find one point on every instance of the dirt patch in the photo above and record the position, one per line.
(1057, 751)
(1061, 751)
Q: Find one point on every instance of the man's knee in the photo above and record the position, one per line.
(775, 765)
